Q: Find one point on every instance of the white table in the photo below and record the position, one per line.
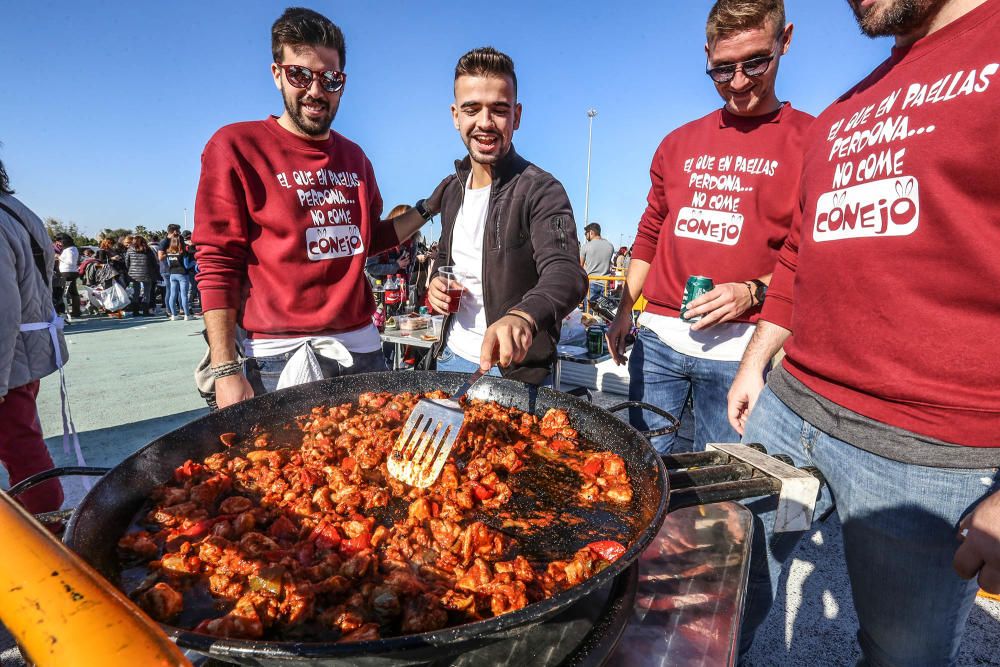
(401, 338)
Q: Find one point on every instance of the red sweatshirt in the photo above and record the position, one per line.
(891, 282)
(282, 227)
(723, 195)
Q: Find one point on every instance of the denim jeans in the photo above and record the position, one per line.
(663, 377)
(596, 290)
(178, 289)
(194, 295)
(142, 296)
(449, 361)
(71, 295)
(263, 372)
(900, 525)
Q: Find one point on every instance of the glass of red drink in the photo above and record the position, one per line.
(452, 287)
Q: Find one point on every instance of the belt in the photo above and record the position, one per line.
(54, 326)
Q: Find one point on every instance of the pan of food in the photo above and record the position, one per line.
(271, 533)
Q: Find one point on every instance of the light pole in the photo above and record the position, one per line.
(590, 135)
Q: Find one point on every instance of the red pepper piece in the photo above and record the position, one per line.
(308, 478)
(325, 536)
(609, 550)
(593, 466)
(197, 529)
(482, 492)
(356, 544)
(187, 470)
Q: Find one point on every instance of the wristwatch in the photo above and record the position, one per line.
(759, 291)
(424, 213)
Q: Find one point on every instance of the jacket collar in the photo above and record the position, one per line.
(509, 165)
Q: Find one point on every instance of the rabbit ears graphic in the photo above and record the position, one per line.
(839, 200)
(904, 189)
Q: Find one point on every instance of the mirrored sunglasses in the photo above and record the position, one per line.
(302, 77)
(750, 68)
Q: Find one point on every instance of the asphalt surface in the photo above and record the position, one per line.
(130, 381)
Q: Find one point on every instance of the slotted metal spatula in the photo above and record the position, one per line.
(428, 436)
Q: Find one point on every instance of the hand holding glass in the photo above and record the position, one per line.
(452, 287)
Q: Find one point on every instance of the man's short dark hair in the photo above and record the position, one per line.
(731, 16)
(4, 181)
(299, 26)
(486, 61)
(593, 227)
(173, 227)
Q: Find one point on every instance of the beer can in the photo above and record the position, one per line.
(695, 287)
(595, 340)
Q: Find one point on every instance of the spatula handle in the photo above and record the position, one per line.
(468, 383)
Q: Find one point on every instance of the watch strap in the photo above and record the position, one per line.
(422, 210)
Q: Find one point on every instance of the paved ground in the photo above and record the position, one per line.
(130, 381)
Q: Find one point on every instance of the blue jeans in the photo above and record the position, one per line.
(263, 372)
(596, 290)
(192, 292)
(178, 283)
(663, 377)
(449, 361)
(900, 524)
(142, 296)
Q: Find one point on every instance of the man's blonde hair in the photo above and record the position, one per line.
(731, 16)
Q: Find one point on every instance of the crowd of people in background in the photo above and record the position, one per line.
(156, 273)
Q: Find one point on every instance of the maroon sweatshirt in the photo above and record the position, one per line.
(282, 227)
(890, 283)
(724, 190)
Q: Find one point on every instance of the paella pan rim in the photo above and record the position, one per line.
(298, 400)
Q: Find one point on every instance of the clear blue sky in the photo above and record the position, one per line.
(107, 106)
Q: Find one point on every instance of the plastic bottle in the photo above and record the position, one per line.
(391, 297)
(404, 292)
(378, 318)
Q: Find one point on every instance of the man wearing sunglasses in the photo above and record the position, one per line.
(885, 299)
(720, 205)
(286, 214)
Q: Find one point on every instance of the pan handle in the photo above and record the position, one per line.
(46, 475)
(674, 422)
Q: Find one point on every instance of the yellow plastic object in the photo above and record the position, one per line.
(989, 596)
(62, 612)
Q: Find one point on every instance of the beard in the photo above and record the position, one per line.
(896, 17)
(486, 158)
(309, 126)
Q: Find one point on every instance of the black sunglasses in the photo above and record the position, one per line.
(750, 68)
(302, 77)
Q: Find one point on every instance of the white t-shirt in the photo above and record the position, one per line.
(468, 325)
(363, 339)
(69, 259)
(719, 342)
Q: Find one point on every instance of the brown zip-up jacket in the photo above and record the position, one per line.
(530, 254)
